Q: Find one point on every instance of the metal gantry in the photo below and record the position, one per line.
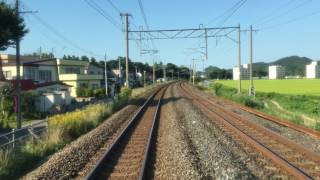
(187, 33)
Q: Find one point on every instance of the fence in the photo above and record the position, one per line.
(18, 136)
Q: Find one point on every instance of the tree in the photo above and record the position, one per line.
(12, 27)
(84, 58)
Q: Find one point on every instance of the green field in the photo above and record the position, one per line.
(286, 86)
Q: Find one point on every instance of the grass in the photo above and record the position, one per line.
(300, 109)
(62, 129)
(309, 87)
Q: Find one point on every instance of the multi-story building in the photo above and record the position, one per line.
(245, 72)
(313, 70)
(276, 72)
(79, 74)
(73, 73)
(32, 68)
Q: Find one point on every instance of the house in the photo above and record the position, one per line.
(79, 74)
(313, 70)
(245, 72)
(47, 94)
(276, 72)
(32, 68)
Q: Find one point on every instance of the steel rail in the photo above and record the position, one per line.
(283, 163)
(99, 165)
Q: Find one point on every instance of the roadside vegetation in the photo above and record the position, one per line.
(62, 129)
(300, 109)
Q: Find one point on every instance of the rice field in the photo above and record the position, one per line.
(285, 86)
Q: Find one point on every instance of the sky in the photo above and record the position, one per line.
(284, 28)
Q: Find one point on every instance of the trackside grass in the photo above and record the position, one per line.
(300, 109)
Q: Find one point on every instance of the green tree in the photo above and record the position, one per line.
(84, 58)
(12, 27)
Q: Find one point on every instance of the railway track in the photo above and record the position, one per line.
(127, 156)
(291, 157)
(276, 120)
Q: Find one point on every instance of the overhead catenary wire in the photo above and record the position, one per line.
(145, 20)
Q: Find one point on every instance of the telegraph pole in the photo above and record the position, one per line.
(144, 78)
(239, 59)
(106, 74)
(251, 89)
(120, 74)
(154, 72)
(193, 73)
(126, 16)
(172, 75)
(164, 72)
(190, 70)
(18, 82)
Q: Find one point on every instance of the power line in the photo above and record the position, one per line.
(106, 16)
(61, 36)
(233, 10)
(291, 21)
(114, 7)
(274, 11)
(286, 12)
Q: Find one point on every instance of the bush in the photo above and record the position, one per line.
(74, 124)
(122, 98)
(6, 106)
(317, 126)
(85, 92)
(247, 101)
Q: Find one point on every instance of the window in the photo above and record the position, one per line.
(45, 76)
(72, 70)
(30, 73)
(83, 85)
(7, 74)
(94, 86)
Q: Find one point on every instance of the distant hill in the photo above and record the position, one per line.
(294, 65)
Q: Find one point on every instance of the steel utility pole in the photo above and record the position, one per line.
(239, 59)
(126, 29)
(251, 88)
(18, 82)
(106, 74)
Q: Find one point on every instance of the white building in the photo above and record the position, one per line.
(276, 72)
(313, 70)
(245, 72)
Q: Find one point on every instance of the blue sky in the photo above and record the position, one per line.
(286, 27)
